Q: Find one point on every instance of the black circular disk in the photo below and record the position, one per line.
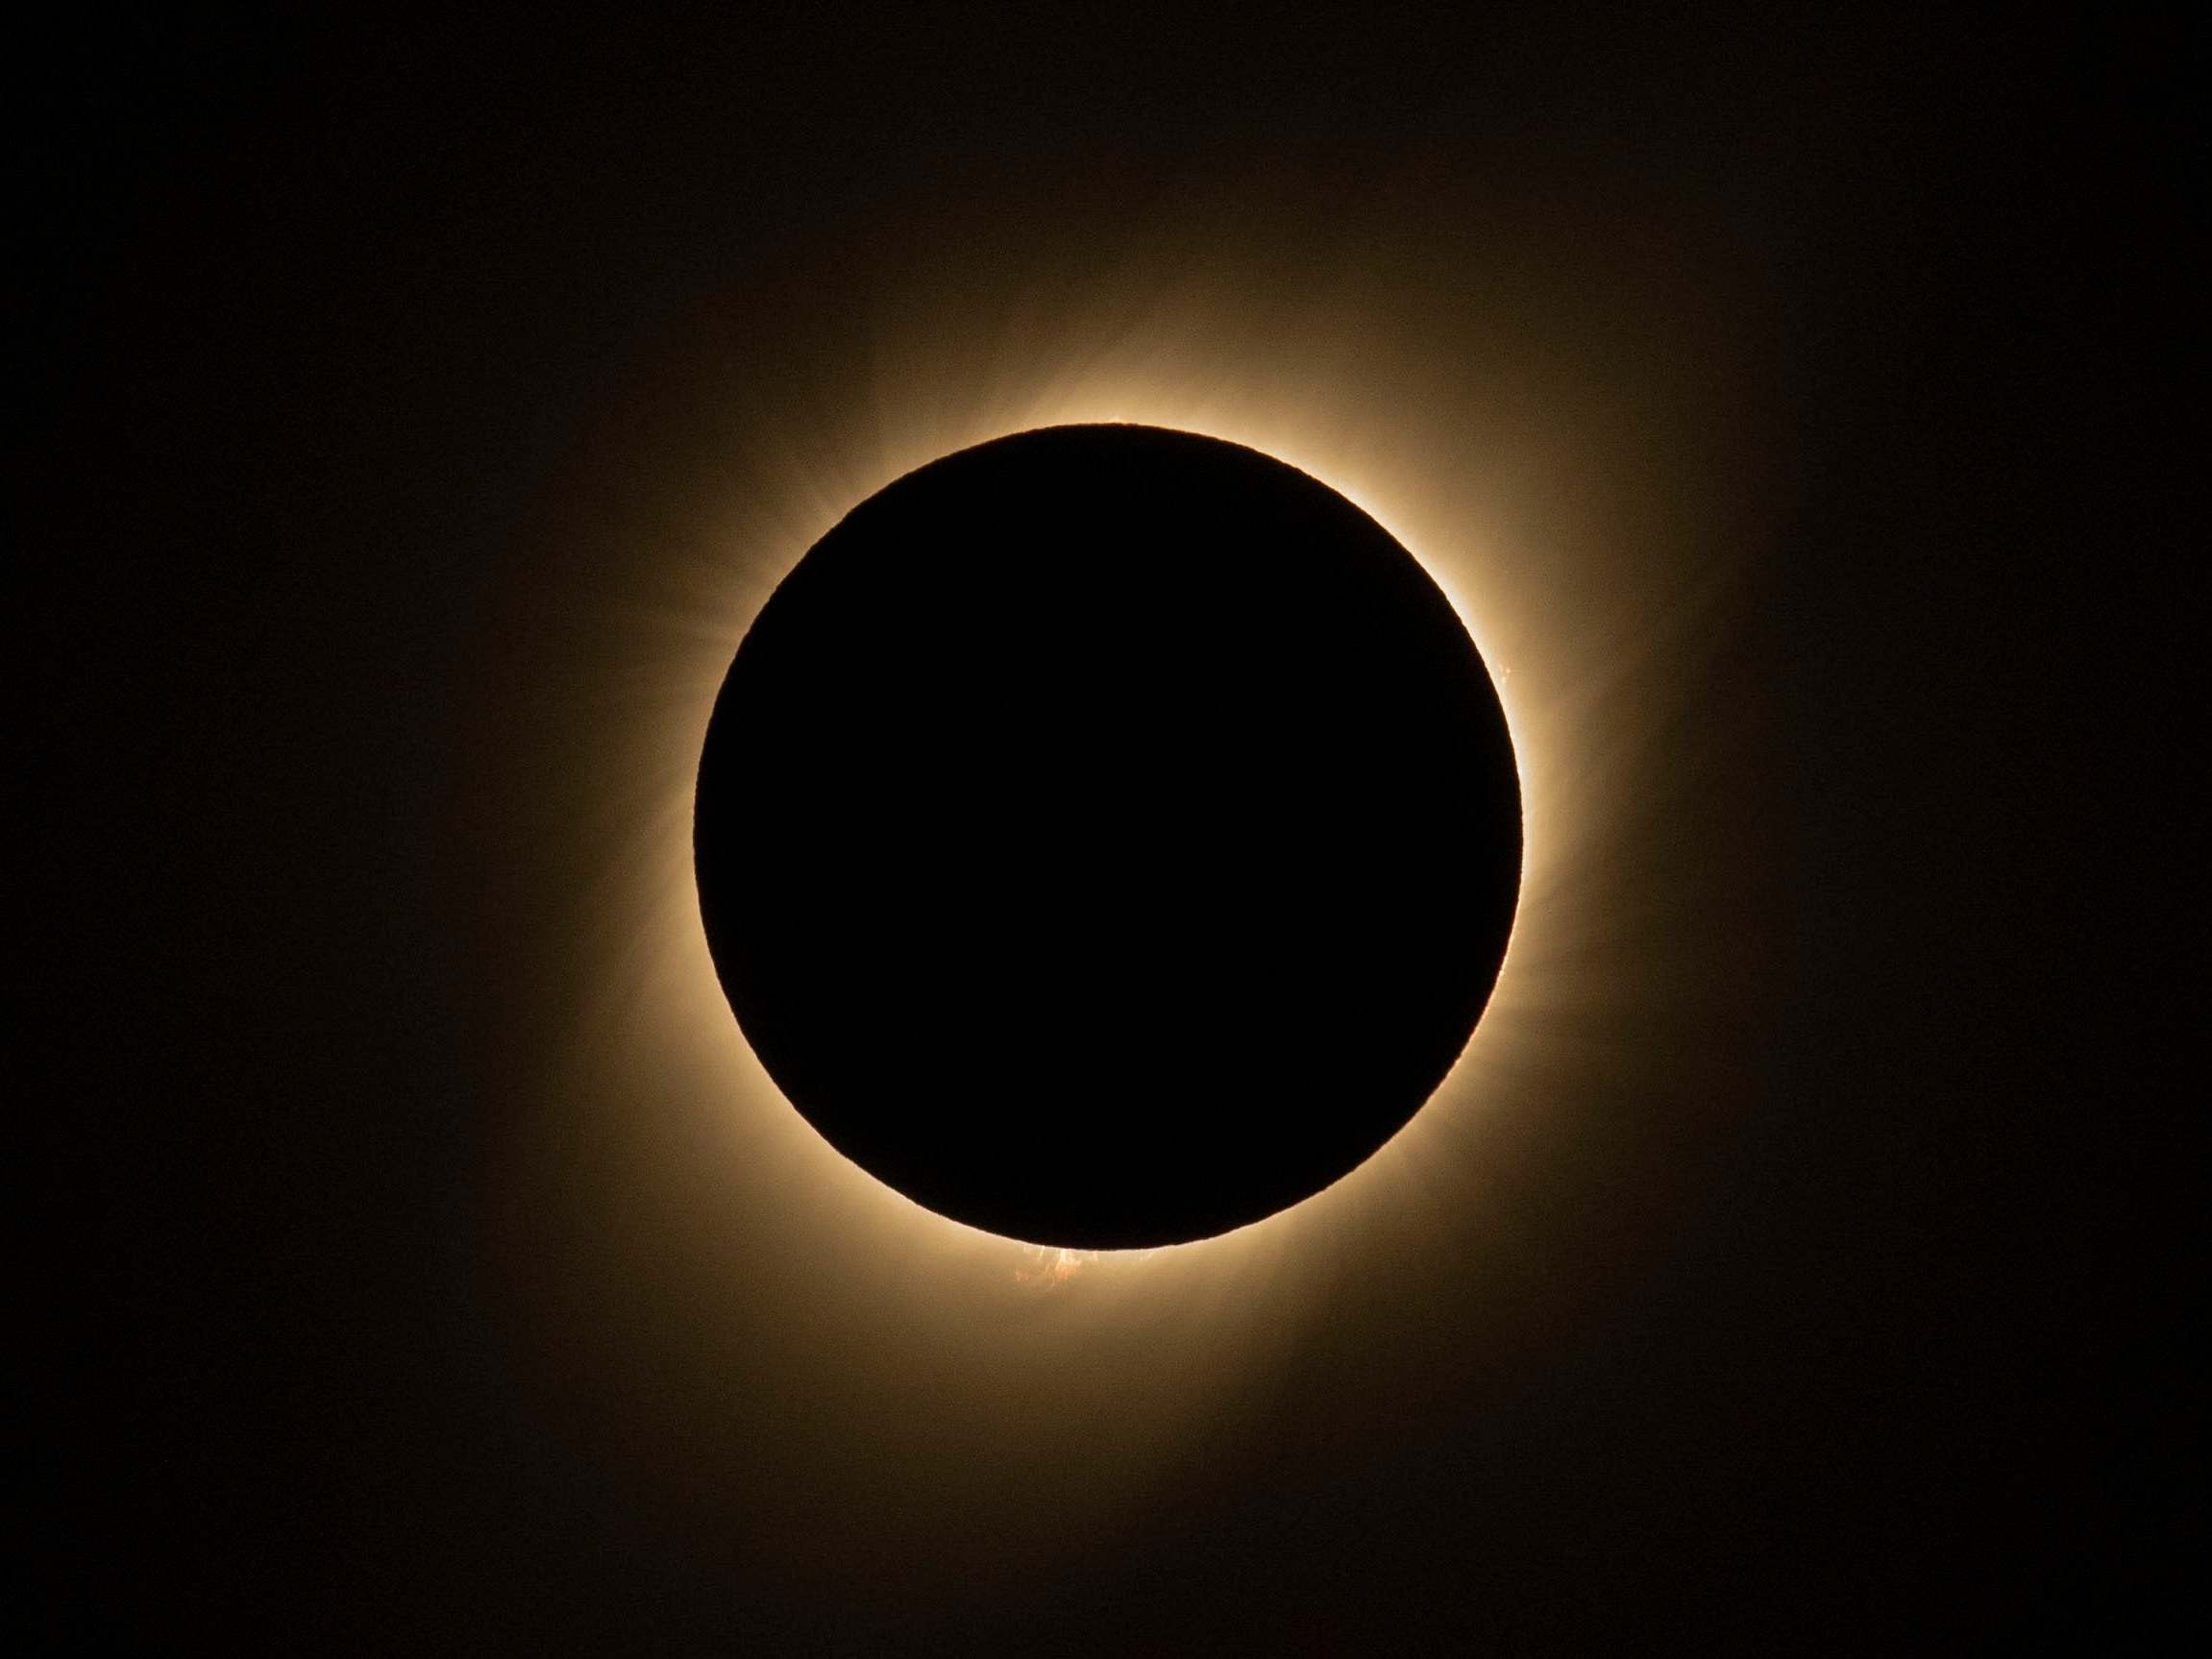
(1107, 836)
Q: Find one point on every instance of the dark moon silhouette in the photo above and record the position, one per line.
(1107, 836)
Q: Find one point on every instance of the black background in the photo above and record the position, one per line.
(319, 315)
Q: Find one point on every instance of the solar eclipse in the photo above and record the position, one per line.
(1027, 1154)
(1107, 836)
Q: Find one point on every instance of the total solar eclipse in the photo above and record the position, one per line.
(1107, 836)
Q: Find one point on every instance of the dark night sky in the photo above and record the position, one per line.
(1852, 1320)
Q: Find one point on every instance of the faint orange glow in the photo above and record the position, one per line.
(1559, 483)
(1576, 635)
